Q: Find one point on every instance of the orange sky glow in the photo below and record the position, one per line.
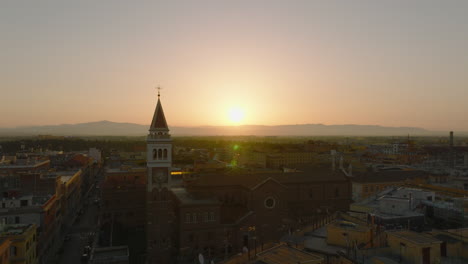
(305, 62)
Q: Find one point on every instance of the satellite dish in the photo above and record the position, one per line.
(201, 258)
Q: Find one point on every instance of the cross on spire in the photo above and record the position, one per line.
(159, 90)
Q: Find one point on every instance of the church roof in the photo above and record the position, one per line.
(159, 120)
(251, 180)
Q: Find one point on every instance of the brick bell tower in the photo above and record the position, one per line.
(160, 217)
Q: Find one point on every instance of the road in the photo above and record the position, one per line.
(79, 233)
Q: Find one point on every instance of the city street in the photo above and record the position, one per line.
(84, 226)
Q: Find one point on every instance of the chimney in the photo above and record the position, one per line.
(452, 151)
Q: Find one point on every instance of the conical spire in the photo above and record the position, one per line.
(159, 120)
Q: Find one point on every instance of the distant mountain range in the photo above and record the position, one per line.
(107, 128)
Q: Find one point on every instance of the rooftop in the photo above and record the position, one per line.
(15, 229)
(65, 179)
(320, 245)
(384, 260)
(284, 254)
(30, 164)
(413, 237)
(388, 176)
(250, 179)
(349, 225)
(53, 174)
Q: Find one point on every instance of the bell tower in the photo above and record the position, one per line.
(160, 214)
(159, 151)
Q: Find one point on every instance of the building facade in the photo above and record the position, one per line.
(221, 213)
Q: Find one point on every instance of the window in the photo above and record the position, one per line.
(194, 218)
(13, 250)
(17, 220)
(270, 202)
(187, 218)
(154, 154)
(337, 192)
(366, 189)
(165, 154)
(212, 216)
(205, 217)
(24, 203)
(159, 153)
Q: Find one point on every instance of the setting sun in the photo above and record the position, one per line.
(236, 114)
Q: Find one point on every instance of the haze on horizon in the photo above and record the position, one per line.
(393, 63)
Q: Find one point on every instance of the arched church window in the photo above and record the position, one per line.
(159, 153)
(165, 154)
(194, 217)
(154, 154)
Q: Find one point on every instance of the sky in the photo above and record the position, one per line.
(390, 63)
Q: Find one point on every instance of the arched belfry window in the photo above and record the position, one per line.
(159, 153)
(165, 153)
(155, 155)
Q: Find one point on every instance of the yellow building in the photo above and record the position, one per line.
(454, 242)
(414, 247)
(5, 251)
(285, 254)
(23, 239)
(348, 234)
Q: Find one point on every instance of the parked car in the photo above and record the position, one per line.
(87, 250)
(84, 257)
